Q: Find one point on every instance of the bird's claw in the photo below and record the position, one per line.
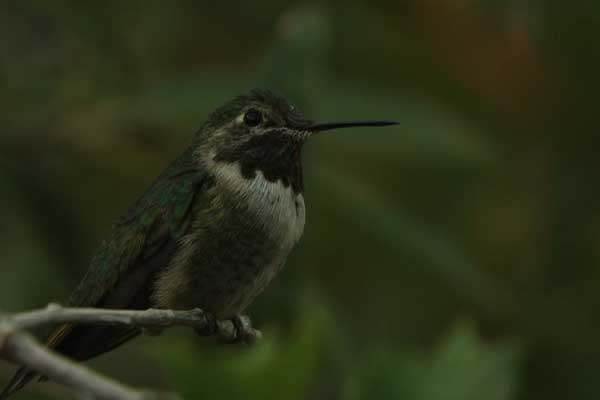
(210, 327)
(243, 332)
(234, 330)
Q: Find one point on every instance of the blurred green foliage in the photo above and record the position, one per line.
(452, 257)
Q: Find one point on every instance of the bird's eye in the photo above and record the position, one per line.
(252, 117)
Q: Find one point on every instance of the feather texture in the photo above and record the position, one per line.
(122, 271)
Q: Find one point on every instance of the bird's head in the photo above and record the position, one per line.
(263, 132)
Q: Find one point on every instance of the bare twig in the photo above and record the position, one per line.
(21, 348)
(152, 319)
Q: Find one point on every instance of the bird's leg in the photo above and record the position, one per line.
(237, 329)
(210, 328)
(244, 332)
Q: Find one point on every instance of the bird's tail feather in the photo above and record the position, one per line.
(21, 378)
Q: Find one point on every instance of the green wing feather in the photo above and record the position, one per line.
(140, 243)
(162, 214)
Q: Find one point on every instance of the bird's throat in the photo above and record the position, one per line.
(273, 154)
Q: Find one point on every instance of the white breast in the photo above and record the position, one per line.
(277, 207)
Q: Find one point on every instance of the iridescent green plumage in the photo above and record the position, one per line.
(124, 267)
(156, 220)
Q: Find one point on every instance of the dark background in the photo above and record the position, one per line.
(454, 256)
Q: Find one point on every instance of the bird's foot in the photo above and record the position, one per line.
(210, 327)
(242, 331)
(234, 330)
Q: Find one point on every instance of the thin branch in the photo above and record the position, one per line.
(153, 319)
(23, 349)
(19, 347)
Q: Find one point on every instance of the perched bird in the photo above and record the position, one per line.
(211, 232)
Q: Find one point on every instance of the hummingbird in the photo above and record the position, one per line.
(211, 232)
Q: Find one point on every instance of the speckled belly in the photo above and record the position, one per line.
(229, 273)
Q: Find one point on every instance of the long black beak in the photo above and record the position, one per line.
(315, 127)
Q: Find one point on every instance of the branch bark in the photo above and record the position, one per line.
(21, 348)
